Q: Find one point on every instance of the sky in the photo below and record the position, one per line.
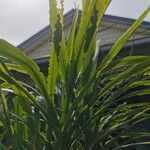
(20, 19)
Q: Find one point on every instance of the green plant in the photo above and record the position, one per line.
(81, 104)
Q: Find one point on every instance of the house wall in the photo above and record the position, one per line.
(43, 49)
(40, 51)
(108, 33)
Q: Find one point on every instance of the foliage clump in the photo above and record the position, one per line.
(83, 102)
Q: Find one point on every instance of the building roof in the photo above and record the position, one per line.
(68, 20)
